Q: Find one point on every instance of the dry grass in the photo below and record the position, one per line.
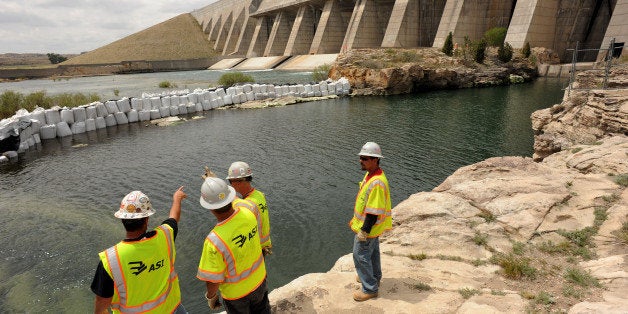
(179, 38)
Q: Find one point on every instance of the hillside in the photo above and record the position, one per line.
(179, 38)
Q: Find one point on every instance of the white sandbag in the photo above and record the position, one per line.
(174, 101)
(219, 102)
(243, 98)
(310, 94)
(184, 100)
(247, 88)
(220, 93)
(235, 99)
(239, 90)
(154, 114)
(213, 95)
(90, 112)
(205, 96)
(174, 111)
(25, 133)
(199, 107)
(30, 141)
(183, 108)
(4, 159)
(37, 139)
(11, 155)
(124, 105)
(146, 105)
(23, 147)
(331, 88)
(79, 114)
(193, 98)
(110, 120)
(346, 88)
(307, 88)
(227, 100)
(144, 115)
(164, 111)
(165, 101)
(101, 110)
(121, 118)
(250, 96)
(101, 123)
(112, 107)
(63, 129)
(206, 104)
(324, 92)
(132, 116)
(278, 90)
(272, 95)
(52, 116)
(231, 91)
(48, 131)
(191, 107)
(318, 93)
(285, 90)
(90, 125)
(214, 103)
(67, 116)
(137, 104)
(78, 127)
(155, 102)
(323, 86)
(316, 88)
(39, 115)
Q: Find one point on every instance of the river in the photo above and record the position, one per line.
(58, 202)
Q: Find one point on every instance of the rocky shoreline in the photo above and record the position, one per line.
(508, 234)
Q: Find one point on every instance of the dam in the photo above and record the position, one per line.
(278, 30)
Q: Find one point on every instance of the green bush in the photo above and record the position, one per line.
(56, 58)
(495, 36)
(478, 49)
(448, 46)
(10, 102)
(166, 84)
(526, 51)
(229, 79)
(321, 72)
(504, 53)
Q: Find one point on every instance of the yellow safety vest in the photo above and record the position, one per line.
(259, 199)
(143, 274)
(232, 255)
(373, 198)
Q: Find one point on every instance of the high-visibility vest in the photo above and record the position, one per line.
(143, 274)
(232, 255)
(259, 199)
(373, 198)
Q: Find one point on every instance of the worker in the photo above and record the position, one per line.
(232, 259)
(240, 177)
(371, 217)
(138, 274)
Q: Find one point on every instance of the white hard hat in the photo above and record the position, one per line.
(239, 169)
(135, 205)
(371, 149)
(215, 193)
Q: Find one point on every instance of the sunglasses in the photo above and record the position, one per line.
(364, 158)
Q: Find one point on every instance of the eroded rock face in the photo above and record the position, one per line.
(402, 71)
(584, 116)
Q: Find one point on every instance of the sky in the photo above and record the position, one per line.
(75, 26)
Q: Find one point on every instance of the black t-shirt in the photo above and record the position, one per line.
(102, 285)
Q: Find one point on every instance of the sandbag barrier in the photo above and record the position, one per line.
(43, 124)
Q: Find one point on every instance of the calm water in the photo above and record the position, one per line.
(58, 203)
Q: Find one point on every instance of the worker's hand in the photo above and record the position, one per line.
(267, 250)
(213, 302)
(179, 195)
(362, 236)
(208, 173)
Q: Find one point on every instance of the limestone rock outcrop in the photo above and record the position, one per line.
(402, 71)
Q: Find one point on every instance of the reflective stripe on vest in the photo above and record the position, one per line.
(259, 199)
(250, 205)
(227, 255)
(119, 279)
(379, 205)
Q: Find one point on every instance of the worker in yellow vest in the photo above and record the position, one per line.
(371, 217)
(232, 259)
(240, 177)
(137, 274)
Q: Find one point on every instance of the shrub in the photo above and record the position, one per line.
(478, 49)
(56, 58)
(36, 99)
(321, 72)
(166, 84)
(468, 292)
(495, 36)
(11, 101)
(621, 179)
(515, 267)
(229, 79)
(622, 233)
(480, 239)
(581, 278)
(504, 53)
(526, 50)
(448, 46)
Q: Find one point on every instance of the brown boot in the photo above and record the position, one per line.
(361, 296)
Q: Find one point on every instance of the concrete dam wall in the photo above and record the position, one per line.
(276, 28)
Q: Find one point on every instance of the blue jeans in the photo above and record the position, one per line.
(367, 263)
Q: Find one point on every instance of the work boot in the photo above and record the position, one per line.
(361, 296)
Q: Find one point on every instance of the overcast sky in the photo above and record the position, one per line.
(75, 26)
